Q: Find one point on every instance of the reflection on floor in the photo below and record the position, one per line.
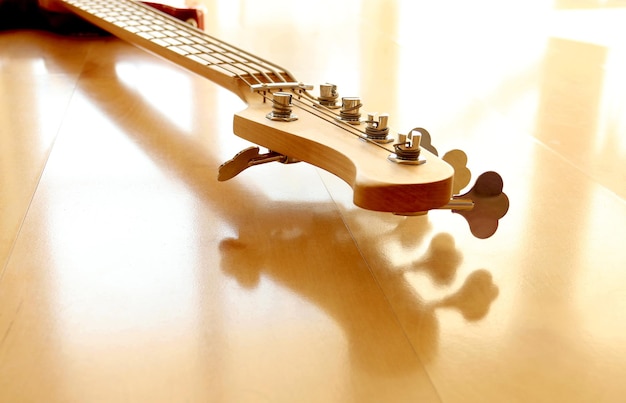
(129, 273)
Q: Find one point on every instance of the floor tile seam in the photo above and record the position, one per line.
(390, 305)
(38, 180)
(592, 178)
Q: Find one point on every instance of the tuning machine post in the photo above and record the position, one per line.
(407, 149)
(350, 111)
(328, 96)
(281, 108)
(377, 128)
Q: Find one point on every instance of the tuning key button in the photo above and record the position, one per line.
(349, 112)
(281, 108)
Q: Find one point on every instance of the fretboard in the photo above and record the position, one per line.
(172, 39)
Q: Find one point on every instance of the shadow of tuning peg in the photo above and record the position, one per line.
(441, 260)
(489, 205)
(474, 298)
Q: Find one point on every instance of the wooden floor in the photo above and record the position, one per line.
(128, 273)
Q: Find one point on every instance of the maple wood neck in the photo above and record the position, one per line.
(232, 68)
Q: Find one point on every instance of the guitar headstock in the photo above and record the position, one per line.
(387, 171)
(287, 119)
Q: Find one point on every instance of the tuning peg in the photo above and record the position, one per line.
(350, 110)
(462, 175)
(247, 158)
(377, 127)
(328, 96)
(282, 108)
(426, 140)
(487, 204)
(407, 149)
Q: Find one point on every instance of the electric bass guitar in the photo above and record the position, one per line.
(392, 172)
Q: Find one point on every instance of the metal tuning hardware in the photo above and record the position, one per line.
(248, 158)
(377, 128)
(281, 108)
(407, 149)
(483, 205)
(350, 110)
(328, 96)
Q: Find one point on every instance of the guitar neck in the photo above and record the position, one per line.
(180, 43)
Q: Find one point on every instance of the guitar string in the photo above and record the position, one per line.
(126, 14)
(134, 18)
(314, 109)
(329, 117)
(183, 39)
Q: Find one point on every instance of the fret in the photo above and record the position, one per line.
(202, 48)
(168, 37)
